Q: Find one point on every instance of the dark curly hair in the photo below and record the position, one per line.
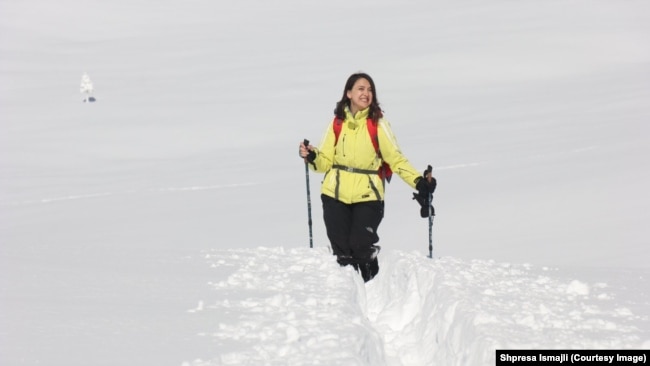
(375, 112)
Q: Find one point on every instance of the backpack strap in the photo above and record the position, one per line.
(384, 172)
(337, 125)
(372, 131)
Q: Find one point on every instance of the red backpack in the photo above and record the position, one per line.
(384, 171)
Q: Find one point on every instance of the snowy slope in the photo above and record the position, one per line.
(139, 229)
(298, 307)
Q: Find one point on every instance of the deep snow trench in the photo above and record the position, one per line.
(276, 306)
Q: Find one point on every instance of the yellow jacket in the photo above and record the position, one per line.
(351, 165)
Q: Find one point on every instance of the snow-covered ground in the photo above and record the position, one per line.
(294, 307)
(166, 223)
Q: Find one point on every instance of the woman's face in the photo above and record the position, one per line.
(360, 95)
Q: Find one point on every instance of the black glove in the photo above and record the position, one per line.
(424, 195)
(425, 187)
(426, 184)
(311, 156)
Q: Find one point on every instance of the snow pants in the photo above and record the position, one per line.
(352, 231)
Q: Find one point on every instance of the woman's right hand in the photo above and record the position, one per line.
(307, 151)
(304, 150)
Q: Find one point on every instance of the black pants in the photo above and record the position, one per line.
(352, 231)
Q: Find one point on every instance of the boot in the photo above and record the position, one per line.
(369, 270)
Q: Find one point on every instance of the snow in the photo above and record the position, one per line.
(296, 306)
(166, 223)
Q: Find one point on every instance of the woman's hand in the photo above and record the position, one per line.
(307, 151)
(427, 183)
(304, 150)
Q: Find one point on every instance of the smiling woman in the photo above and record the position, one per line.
(361, 95)
(355, 155)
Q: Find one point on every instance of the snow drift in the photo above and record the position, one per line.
(298, 307)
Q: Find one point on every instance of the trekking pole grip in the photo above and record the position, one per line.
(306, 143)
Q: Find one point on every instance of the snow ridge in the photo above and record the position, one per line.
(298, 307)
(453, 312)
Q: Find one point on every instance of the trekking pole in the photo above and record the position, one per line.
(311, 240)
(430, 230)
(430, 196)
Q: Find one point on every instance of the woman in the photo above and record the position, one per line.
(353, 188)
